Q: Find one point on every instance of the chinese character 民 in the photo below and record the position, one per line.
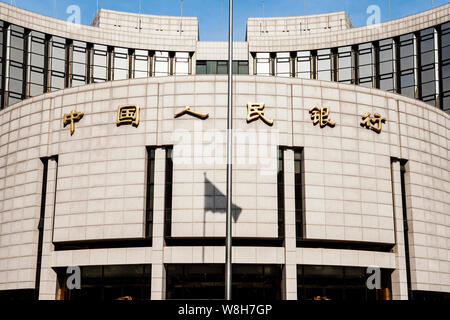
(255, 111)
(187, 110)
(128, 114)
(72, 117)
(368, 121)
(321, 115)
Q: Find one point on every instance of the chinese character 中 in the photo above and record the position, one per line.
(255, 111)
(187, 110)
(128, 114)
(321, 115)
(368, 121)
(72, 117)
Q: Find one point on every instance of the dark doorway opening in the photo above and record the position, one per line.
(206, 281)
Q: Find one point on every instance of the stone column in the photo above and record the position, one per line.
(290, 268)
(398, 278)
(158, 271)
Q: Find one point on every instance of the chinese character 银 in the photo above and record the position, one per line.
(321, 116)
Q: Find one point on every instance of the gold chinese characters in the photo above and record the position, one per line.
(255, 111)
(72, 117)
(187, 110)
(321, 116)
(128, 114)
(368, 121)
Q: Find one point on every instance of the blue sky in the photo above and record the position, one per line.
(213, 14)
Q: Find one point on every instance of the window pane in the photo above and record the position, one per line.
(99, 63)
(141, 64)
(262, 63)
(121, 64)
(324, 64)
(161, 63)
(182, 63)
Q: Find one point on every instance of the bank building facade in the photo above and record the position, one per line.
(112, 148)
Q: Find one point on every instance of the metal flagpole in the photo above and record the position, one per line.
(229, 154)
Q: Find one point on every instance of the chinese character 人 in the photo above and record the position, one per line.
(255, 111)
(321, 116)
(368, 121)
(187, 110)
(72, 117)
(128, 114)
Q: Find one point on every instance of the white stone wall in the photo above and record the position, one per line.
(101, 175)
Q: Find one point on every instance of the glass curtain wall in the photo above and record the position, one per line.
(304, 65)
(36, 64)
(428, 65)
(262, 64)
(386, 66)
(324, 65)
(408, 65)
(141, 64)
(445, 66)
(120, 64)
(99, 63)
(283, 64)
(78, 63)
(346, 65)
(366, 62)
(57, 63)
(162, 64)
(16, 59)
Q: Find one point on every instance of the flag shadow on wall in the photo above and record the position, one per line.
(216, 201)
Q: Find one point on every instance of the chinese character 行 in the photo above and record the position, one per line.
(128, 114)
(321, 115)
(187, 110)
(368, 121)
(72, 117)
(255, 111)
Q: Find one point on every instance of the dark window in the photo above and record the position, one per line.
(428, 52)
(386, 65)
(168, 192)
(57, 63)
(240, 67)
(304, 64)
(99, 63)
(201, 67)
(79, 63)
(2, 37)
(280, 192)
(141, 65)
(346, 68)
(16, 64)
(220, 67)
(324, 70)
(365, 64)
(121, 64)
(445, 66)
(408, 85)
(206, 281)
(150, 192)
(338, 283)
(37, 63)
(298, 185)
(107, 283)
